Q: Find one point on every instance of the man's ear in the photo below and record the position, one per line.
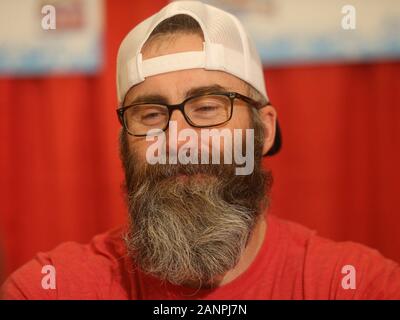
(268, 116)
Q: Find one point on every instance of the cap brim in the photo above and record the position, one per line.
(276, 146)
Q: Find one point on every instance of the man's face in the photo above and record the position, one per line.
(190, 230)
(175, 85)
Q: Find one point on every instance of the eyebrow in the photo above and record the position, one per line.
(158, 98)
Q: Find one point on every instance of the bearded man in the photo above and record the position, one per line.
(201, 230)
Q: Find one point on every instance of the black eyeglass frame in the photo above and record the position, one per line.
(181, 106)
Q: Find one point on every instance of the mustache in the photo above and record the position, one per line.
(136, 172)
(165, 171)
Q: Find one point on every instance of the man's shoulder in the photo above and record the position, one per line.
(70, 270)
(343, 269)
(313, 244)
(107, 247)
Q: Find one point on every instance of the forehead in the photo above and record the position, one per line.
(175, 85)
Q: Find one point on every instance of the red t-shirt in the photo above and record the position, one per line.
(293, 263)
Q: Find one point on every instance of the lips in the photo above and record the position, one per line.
(194, 176)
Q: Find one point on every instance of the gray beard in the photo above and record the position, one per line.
(189, 224)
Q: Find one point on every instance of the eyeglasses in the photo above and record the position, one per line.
(200, 111)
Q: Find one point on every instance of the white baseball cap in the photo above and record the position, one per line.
(226, 47)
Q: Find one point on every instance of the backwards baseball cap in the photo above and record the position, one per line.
(226, 47)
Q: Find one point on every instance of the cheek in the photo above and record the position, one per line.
(138, 146)
(240, 118)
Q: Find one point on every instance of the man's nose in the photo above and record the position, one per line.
(176, 125)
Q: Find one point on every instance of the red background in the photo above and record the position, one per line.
(338, 171)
